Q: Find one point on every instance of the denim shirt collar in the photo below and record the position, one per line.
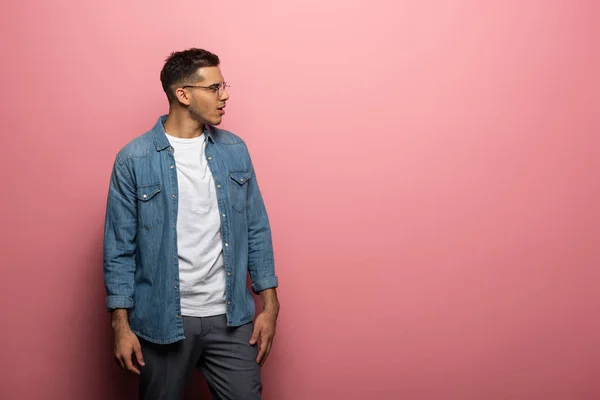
(160, 138)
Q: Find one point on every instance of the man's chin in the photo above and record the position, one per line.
(216, 121)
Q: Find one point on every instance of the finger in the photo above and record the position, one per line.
(119, 361)
(261, 354)
(267, 351)
(129, 365)
(262, 350)
(255, 335)
(138, 354)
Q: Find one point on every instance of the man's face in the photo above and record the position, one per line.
(206, 98)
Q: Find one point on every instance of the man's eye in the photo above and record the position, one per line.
(214, 88)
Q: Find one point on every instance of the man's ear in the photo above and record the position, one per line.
(182, 96)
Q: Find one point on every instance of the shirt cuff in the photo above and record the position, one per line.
(265, 283)
(114, 302)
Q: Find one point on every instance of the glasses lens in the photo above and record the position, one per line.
(222, 88)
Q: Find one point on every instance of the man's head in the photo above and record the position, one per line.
(192, 80)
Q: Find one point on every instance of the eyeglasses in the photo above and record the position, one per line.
(216, 88)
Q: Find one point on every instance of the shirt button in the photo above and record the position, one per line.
(223, 215)
(175, 286)
(144, 196)
(229, 274)
(209, 158)
(177, 316)
(172, 166)
(174, 195)
(228, 302)
(219, 186)
(226, 244)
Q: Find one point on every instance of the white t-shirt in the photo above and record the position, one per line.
(201, 267)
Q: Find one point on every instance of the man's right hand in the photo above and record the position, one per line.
(126, 343)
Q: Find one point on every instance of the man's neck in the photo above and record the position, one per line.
(181, 125)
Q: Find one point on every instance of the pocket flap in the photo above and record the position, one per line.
(240, 177)
(146, 192)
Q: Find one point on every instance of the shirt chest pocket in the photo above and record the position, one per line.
(150, 205)
(238, 189)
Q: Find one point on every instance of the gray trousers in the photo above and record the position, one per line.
(222, 354)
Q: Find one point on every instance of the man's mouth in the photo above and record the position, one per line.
(221, 109)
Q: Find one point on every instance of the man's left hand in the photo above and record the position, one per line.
(264, 329)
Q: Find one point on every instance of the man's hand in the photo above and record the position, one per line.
(126, 343)
(264, 326)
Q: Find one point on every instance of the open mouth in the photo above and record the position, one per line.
(221, 109)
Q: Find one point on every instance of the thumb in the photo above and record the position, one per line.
(138, 353)
(255, 333)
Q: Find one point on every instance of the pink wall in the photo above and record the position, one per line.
(431, 170)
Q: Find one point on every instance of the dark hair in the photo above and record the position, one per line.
(182, 66)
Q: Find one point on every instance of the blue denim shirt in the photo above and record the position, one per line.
(141, 271)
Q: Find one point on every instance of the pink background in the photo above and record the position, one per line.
(430, 169)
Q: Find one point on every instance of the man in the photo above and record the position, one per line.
(185, 223)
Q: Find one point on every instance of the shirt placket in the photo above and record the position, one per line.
(215, 168)
(174, 195)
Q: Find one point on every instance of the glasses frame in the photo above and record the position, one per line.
(216, 87)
